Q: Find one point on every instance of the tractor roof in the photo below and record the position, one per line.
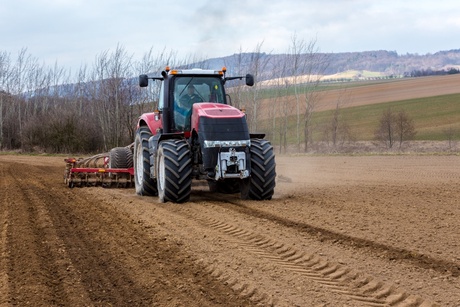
(196, 71)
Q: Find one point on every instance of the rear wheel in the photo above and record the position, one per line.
(174, 171)
(261, 184)
(144, 184)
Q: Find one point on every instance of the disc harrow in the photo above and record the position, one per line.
(98, 171)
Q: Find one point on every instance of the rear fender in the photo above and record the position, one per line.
(152, 120)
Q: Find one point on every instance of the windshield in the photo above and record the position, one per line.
(190, 90)
(208, 89)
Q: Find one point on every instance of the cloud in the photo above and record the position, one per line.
(73, 32)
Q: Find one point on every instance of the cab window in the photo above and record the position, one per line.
(190, 90)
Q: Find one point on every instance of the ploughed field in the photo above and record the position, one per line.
(374, 93)
(340, 231)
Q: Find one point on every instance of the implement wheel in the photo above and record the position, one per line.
(120, 157)
(174, 171)
(144, 184)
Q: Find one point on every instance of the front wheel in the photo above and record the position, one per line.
(144, 184)
(174, 171)
(261, 184)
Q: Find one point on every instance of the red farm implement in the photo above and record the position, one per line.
(111, 169)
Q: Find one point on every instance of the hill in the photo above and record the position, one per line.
(432, 102)
(353, 94)
(387, 63)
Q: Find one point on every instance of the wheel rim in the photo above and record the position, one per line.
(161, 173)
(139, 164)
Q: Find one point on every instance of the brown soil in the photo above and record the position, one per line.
(340, 231)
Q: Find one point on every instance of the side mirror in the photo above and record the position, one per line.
(249, 80)
(143, 81)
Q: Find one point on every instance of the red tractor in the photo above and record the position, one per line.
(197, 134)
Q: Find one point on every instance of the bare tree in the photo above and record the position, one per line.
(108, 91)
(277, 106)
(336, 131)
(151, 63)
(259, 61)
(17, 81)
(80, 90)
(305, 67)
(296, 69)
(285, 113)
(405, 129)
(394, 127)
(18, 85)
(237, 92)
(4, 72)
(97, 94)
(244, 97)
(118, 69)
(385, 132)
(316, 65)
(450, 133)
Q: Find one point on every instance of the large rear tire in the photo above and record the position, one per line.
(261, 184)
(174, 171)
(144, 184)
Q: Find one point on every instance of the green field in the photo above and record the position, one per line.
(432, 117)
(270, 92)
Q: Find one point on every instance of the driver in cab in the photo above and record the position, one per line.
(189, 98)
(183, 111)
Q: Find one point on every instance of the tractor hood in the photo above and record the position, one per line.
(215, 121)
(213, 110)
(219, 128)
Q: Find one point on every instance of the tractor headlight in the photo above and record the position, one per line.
(240, 143)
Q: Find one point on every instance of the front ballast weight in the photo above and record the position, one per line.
(232, 159)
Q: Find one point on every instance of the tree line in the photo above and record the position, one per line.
(432, 72)
(49, 109)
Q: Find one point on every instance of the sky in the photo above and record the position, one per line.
(73, 33)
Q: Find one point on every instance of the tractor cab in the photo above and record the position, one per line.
(182, 88)
(188, 90)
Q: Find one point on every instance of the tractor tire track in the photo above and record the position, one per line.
(329, 245)
(334, 277)
(407, 255)
(35, 252)
(63, 248)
